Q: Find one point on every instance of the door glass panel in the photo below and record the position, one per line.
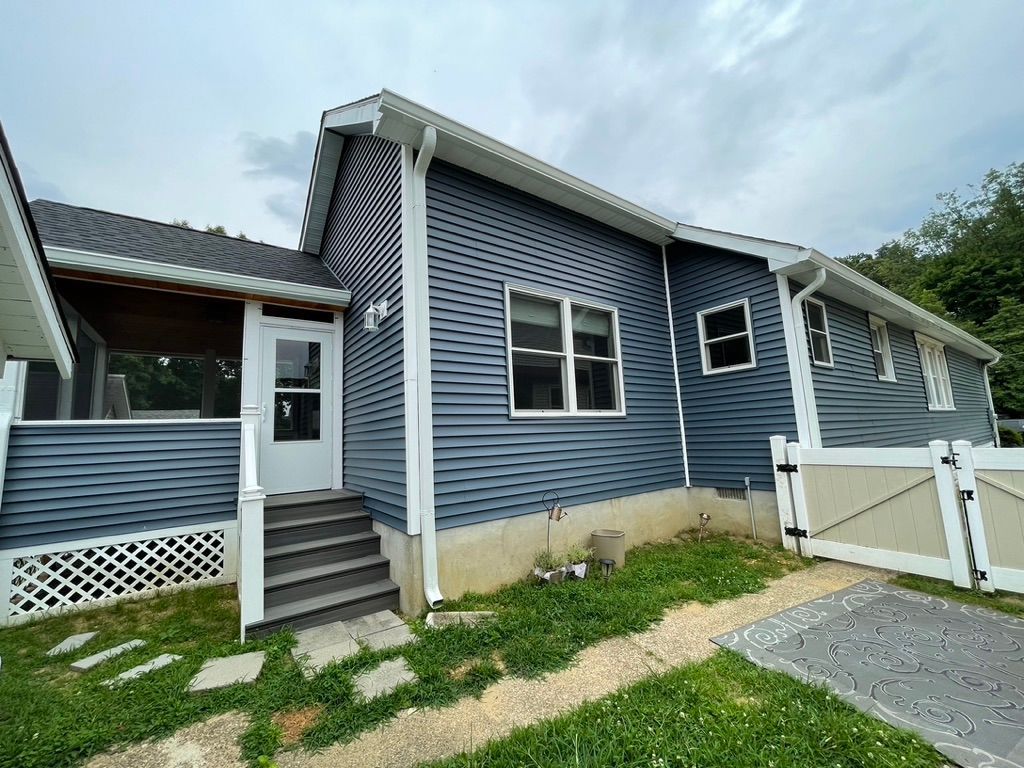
(296, 416)
(297, 365)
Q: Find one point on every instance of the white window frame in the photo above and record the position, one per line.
(811, 331)
(882, 327)
(705, 361)
(572, 409)
(938, 387)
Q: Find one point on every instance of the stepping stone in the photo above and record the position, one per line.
(375, 622)
(382, 680)
(452, 618)
(320, 646)
(143, 669)
(228, 670)
(72, 643)
(389, 638)
(83, 665)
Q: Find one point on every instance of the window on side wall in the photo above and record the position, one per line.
(936, 374)
(817, 327)
(881, 349)
(564, 356)
(726, 338)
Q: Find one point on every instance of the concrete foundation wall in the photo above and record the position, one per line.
(485, 556)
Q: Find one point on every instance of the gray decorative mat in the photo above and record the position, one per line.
(953, 673)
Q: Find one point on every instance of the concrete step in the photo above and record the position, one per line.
(288, 505)
(323, 609)
(333, 549)
(313, 580)
(314, 526)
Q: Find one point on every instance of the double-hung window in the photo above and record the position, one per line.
(936, 374)
(881, 349)
(564, 356)
(817, 327)
(726, 338)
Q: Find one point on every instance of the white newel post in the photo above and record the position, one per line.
(9, 385)
(968, 485)
(799, 501)
(250, 534)
(949, 507)
(783, 494)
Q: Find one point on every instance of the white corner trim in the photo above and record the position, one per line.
(991, 408)
(675, 367)
(105, 264)
(338, 406)
(704, 362)
(27, 261)
(803, 427)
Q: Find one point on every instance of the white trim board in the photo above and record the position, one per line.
(120, 266)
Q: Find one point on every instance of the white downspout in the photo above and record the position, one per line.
(992, 406)
(806, 381)
(675, 368)
(424, 411)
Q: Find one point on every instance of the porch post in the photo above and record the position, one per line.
(250, 492)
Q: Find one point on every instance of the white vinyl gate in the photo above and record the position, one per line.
(949, 511)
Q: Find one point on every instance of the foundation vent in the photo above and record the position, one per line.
(733, 494)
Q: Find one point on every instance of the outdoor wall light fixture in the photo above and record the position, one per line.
(373, 316)
(705, 518)
(553, 504)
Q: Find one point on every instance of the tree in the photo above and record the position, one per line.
(966, 262)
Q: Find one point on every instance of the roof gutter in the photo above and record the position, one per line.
(418, 306)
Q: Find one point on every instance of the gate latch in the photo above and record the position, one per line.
(951, 460)
(980, 575)
(800, 533)
(786, 468)
(967, 495)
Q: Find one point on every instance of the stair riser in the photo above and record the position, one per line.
(272, 566)
(323, 509)
(326, 585)
(387, 601)
(317, 531)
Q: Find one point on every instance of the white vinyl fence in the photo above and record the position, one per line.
(949, 511)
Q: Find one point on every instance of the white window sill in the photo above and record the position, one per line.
(942, 408)
(822, 365)
(567, 415)
(887, 379)
(730, 369)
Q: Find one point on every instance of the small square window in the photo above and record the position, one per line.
(726, 339)
(817, 329)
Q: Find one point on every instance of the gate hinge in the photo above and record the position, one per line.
(786, 468)
(967, 495)
(800, 533)
(981, 575)
(951, 460)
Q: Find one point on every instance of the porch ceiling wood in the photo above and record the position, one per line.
(133, 319)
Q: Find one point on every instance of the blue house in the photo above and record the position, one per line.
(461, 329)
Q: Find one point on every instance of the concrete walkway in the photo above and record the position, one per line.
(682, 637)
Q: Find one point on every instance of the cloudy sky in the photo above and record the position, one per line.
(827, 123)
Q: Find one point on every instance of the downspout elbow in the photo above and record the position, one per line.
(815, 284)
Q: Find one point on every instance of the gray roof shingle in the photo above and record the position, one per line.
(114, 234)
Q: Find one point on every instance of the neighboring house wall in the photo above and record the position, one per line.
(70, 482)
(855, 408)
(362, 245)
(487, 465)
(730, 416)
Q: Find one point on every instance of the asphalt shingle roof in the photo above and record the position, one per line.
(68, 226)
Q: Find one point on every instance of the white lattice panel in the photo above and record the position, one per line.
(51, 581)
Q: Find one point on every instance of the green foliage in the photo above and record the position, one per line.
(721, 713)
(966, 263)
(216, 230)
(176, 383)
(1006, 602)
(579, 554)
(546, 560)
(1010, 438)
(61, 718)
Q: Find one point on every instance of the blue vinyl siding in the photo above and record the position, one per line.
(856, 409)
(67, 482)
(362, 245)
(729, 417)
(487, 465)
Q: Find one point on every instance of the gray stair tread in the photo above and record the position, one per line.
(331, 541)
(308, 497)
(313, 604)
(318, 571)
(299, 522)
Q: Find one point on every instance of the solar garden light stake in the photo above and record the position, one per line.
(705, 518)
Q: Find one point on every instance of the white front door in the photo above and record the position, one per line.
(296, 451)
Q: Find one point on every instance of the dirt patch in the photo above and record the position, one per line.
(295, 723)
(462, 671)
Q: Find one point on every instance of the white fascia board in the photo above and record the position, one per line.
(402, 120)
(778, 254)
(30, 268)
(889, 306)
(105, 264)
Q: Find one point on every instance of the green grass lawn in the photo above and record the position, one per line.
(1007, 602)
(722, 712)
(52, 717)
